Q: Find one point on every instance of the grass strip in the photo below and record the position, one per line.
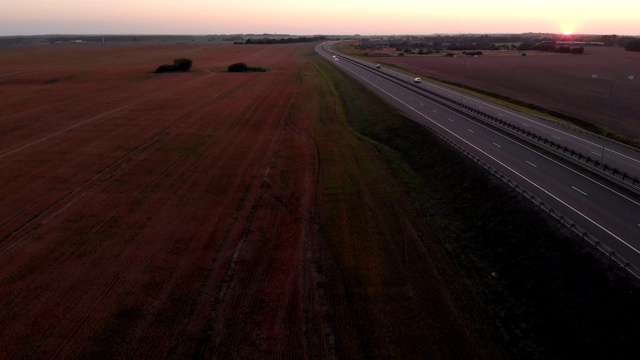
(550, 294)
(507, 101)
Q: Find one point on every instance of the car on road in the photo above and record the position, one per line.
(417, 80)
(378, 66)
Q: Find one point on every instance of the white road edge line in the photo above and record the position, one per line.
(508, 111)
(507, 167)
(532, 164)
(496, 145)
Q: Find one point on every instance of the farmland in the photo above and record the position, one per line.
(209, 214)
(281, 214)
(557, 82)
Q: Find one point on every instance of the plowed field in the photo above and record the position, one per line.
(208, 214)
(559, 82)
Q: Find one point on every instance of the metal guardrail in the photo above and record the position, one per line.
(584, 161)
(587, 132)
(620, 178)
(591, 239)
(535, 140)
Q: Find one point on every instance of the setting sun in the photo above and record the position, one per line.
(567, 32)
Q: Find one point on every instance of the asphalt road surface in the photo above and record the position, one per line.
(606, 213)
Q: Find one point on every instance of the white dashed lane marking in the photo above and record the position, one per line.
(578, 190)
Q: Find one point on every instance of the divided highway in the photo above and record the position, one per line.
(601, 211)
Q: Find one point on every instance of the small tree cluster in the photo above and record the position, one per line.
(550, 47)
(633, 45)
(178, 65)
(242, 67)
(285, 40)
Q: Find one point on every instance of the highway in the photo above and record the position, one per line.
(605, 212)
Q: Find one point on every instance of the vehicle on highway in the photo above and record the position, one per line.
(378, 66)
(417, 80)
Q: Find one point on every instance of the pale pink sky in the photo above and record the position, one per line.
(30, 17)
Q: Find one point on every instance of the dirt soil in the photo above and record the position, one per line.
(208, 214)
(560, 82)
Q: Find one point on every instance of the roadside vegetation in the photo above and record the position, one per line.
(633, 45)
(288, 214)
(282, 40)
(543, 290)
(584, 104)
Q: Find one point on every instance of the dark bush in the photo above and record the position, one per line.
(182, 64)
(633, 45)
(242, 67)
(545, 46)
(178, 65)
(238, 67)
(525, 46)
(165, 68)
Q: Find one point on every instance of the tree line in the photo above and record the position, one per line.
(285, 40)
(550, 47)
(633, 45)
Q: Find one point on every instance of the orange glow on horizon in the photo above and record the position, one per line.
(328, 17)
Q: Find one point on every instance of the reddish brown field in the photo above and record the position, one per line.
(560, 82)
(208, 214)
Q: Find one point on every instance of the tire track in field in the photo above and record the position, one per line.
(153, 342)
(94, 94)
(123, 163)
(109, 171)
(318, 333)
(78, 322)
(78, 103)
(98, 292)
(207, 340)
(229, 236)
(55, 132)
(150, 342)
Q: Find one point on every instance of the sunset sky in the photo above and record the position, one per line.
(308, 17)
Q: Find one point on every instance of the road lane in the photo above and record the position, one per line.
(596, 207)
(616, 155)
